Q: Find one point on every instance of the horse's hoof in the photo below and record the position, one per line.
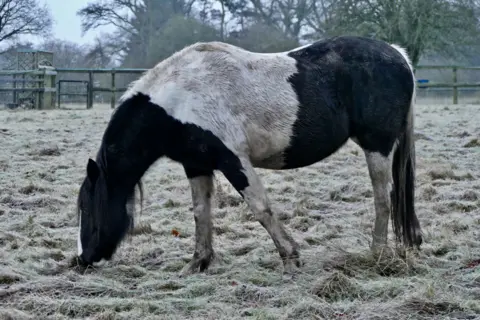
(418, 241)
(196, 265)
(291, 267)
(378, 247)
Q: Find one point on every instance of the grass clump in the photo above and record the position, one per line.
(337, 287)
(435, 308)
(387, 263)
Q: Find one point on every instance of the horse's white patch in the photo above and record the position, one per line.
(404, 54)
(242, 97)
(79, 240)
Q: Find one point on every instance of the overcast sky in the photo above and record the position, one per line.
(67, 25)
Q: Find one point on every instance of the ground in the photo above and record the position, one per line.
(328, 207)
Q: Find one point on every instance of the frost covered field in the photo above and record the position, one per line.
(328, 207)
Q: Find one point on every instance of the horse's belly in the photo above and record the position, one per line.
(274, 161)
(274, 151)
(266, 143)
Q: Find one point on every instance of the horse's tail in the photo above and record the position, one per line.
(404, 220)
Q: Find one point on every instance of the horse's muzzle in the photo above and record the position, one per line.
(83, 262)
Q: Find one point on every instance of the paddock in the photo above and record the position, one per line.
(328, 207)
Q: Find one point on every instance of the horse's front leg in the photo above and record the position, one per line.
(243, 177)
(201, 184)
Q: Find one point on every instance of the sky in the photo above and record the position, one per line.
(67, 25)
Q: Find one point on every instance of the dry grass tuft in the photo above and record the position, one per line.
(9, 314)
(428, 192)
(470, 195)
(31, 188)
(388, 263)
(312, 309)
(472, 143)
(448, 173)
(337, 287)
(49, 151)
(432, 309)
(141, 228)
(106, 315)
(7, 278)
(225, 200)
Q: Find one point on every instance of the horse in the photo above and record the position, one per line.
(215, 107)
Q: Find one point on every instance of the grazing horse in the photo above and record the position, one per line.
(217, 107)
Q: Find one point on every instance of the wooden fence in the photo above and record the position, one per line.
(113, 88)
(454, 84)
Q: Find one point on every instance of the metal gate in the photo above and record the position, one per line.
(82, 90)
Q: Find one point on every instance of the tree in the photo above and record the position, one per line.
(286, 16)
(66, 54)
(23, 17)
(321, 19)
(421, 26)
(148, 30)
(178, 32)
(102, 53)
(259, 37)
(72, 55)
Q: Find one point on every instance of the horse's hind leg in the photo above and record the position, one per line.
(201, 184)
(245, 180)
(380, 170)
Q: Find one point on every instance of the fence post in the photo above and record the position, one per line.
(47, 90)
(90, 90)
(15, 96)
(112, 97)
(455, 88)
(59, 93)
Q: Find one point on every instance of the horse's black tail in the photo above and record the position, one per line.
(405, 222)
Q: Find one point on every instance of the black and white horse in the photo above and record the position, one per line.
(214, 106)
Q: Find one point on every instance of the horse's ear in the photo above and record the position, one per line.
(92, 170)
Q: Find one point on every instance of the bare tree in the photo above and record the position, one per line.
(23, 17)
(103, 53)
(115, 12)
(123, 13)
(321, 19)
(66, 54)
(286, 16)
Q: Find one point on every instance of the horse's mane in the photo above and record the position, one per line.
(100, 212)
(130, 204)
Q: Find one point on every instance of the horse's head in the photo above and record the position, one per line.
(103, 218)
(106, 199)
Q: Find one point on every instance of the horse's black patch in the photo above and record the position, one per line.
(139, 133)
(348, 87)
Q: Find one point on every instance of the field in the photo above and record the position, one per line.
(328, 207)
